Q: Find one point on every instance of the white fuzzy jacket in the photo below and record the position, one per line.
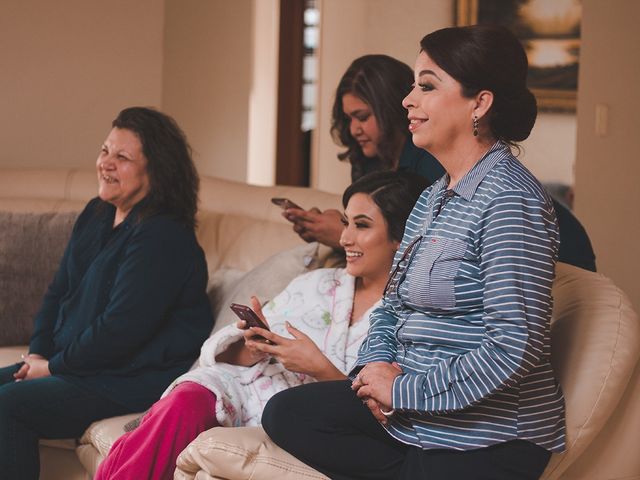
(319, 304)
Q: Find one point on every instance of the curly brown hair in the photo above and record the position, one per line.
(173, 178)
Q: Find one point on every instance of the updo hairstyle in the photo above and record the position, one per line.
(488, 57)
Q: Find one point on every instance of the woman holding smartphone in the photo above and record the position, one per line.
(369, 122)
(316, 326)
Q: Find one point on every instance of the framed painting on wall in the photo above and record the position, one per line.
(550, 33)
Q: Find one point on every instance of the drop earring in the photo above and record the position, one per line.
(475, 126)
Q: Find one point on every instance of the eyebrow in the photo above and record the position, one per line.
(429, 72)
(358, 111)
(361, 216)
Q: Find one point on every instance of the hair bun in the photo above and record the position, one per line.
(513, 116)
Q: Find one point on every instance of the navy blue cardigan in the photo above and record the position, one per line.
(127, 310)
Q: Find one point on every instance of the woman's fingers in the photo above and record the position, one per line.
(364, 392)
(256, 306)
(297, 334)
(375, 410)
(22, 372)
(274, 338)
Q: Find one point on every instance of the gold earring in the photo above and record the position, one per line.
(475, 126)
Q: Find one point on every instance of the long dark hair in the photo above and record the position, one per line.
(395, 194)
(488, 57)
(173, 179)
(381, 82)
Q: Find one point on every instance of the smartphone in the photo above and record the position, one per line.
(248, 315)
(285, 203)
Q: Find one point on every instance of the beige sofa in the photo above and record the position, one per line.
(595, 352)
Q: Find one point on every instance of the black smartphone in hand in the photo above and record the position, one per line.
(285, 203)
(250, 317)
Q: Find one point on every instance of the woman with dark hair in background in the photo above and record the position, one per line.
(369, 121)
(454, 378)
(127, 310)
(316, 326)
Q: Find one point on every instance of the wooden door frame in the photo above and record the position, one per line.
(291, 167)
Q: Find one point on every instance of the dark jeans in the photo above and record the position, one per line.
(326, 426)
(47, 407)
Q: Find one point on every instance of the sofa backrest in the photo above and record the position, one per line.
(238, 226)
(595, 349)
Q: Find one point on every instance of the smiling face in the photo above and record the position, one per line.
(366, 241)
(439, 115)
(122, 171)
(363, 125)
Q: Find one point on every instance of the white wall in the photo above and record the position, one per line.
(341, 40)
(358, 27)
(207, 80)
(608, 168)
(263, 99)
(66, 69)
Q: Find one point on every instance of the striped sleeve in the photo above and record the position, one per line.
(517, 247)
(380, 344)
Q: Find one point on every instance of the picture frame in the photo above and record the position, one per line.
(550, 33)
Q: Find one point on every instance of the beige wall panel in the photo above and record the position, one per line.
(550, 150)
(342, 39)
(66, 68)
(207, 78)
(607, 170)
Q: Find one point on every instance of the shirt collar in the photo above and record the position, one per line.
(468, 184)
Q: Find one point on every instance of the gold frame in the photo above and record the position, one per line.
(548, 99)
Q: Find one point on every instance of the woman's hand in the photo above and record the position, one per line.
(299, 354)
(38, 367)
(375, 382)
(21, 374)
(242, 353)
(316, 226)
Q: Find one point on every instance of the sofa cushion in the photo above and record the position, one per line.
(95, 443)
(240, 453)
(11, 355)
(31, 246)
(264, 281)
(594, 350)
(103, 433)
(241, 242)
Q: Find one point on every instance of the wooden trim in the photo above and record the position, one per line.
(291, 167)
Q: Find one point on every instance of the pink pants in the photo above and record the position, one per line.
(150, 451)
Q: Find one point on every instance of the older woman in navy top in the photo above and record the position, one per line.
(456, 364)
(127, 310)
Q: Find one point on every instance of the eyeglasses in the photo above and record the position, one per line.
(399, 270)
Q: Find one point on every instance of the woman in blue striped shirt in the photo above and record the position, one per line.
(454, 379)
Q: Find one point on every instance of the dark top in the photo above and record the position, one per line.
(412, 159)
(127, 310)
(575, 246)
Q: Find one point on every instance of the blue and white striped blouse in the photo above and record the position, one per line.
(467, 314)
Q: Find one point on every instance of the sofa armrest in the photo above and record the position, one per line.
(240, 453)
